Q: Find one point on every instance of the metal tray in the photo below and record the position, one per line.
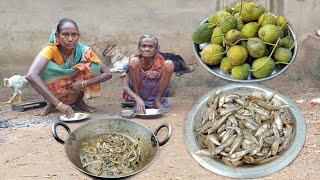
(77, 117)
(285, 157)
(197, 48)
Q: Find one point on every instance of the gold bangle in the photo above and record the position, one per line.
(58, 105)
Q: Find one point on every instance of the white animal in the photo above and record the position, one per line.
(314, 102)
(17, 82)
(117, 59)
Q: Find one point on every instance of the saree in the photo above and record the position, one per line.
(84, 65)
(148, 88)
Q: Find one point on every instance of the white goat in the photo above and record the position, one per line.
(117, 59)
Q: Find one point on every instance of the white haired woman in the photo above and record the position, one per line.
(148, 76)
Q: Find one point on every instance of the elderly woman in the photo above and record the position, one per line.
(148, 76)
(65, 71)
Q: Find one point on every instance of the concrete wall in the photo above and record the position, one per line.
(26, 24)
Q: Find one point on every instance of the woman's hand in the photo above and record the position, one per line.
(153, 74)
(140, 106)
(77, 85)
(66, 109)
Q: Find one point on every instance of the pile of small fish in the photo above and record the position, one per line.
(110, 155)
(241, 128)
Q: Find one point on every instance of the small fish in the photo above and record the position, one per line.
(218, 124)
(214, 139)
(245, 129)
(275, 147)
(238, 155)
(222, 100)
(228, 142)
(237, 143)
(287, 131)
(233, 121)
(275, 130)
(211, 98)
(277, 120)
(230, 98)
(262, 130)
(227, 135)
(268, 106)
(203, 152)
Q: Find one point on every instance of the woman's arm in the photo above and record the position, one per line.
(78, 85)
(33, 77)
(105, 75)
(140, 106)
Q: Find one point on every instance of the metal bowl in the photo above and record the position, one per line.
(245, 171)
(197, 48)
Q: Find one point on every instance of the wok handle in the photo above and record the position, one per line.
(168, 135)
(54, 131)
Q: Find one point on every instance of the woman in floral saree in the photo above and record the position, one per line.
(65, 71)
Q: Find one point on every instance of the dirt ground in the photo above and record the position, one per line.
(29, 151)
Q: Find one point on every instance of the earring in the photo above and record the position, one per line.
(57, 42)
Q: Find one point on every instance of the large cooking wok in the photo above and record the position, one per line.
(135, 131)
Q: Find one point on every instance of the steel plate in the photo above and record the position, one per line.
(76, 117)
(285, 157)
(150, 114)
(197, 48)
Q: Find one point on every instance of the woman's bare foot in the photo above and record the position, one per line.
(84, 107)
(46, 110)
(157, 104)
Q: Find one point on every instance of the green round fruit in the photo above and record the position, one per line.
(225, 65)
(263, 67)
(250, 29)
(237, 55)
(256, 47)
(232, 36)
(228, 23)
(202, 34)
(217, 36)
(282, 22)
(286, 42)
(267, 18)
(241, 72)
(282, 55)
(217, 17)
(269, 33)
(212, 54)
(250, 11)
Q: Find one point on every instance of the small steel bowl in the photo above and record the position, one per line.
(126, 113)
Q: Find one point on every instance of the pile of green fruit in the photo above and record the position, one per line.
(245, 39)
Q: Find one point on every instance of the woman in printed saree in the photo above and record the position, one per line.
(148, 76)
(66, 71)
